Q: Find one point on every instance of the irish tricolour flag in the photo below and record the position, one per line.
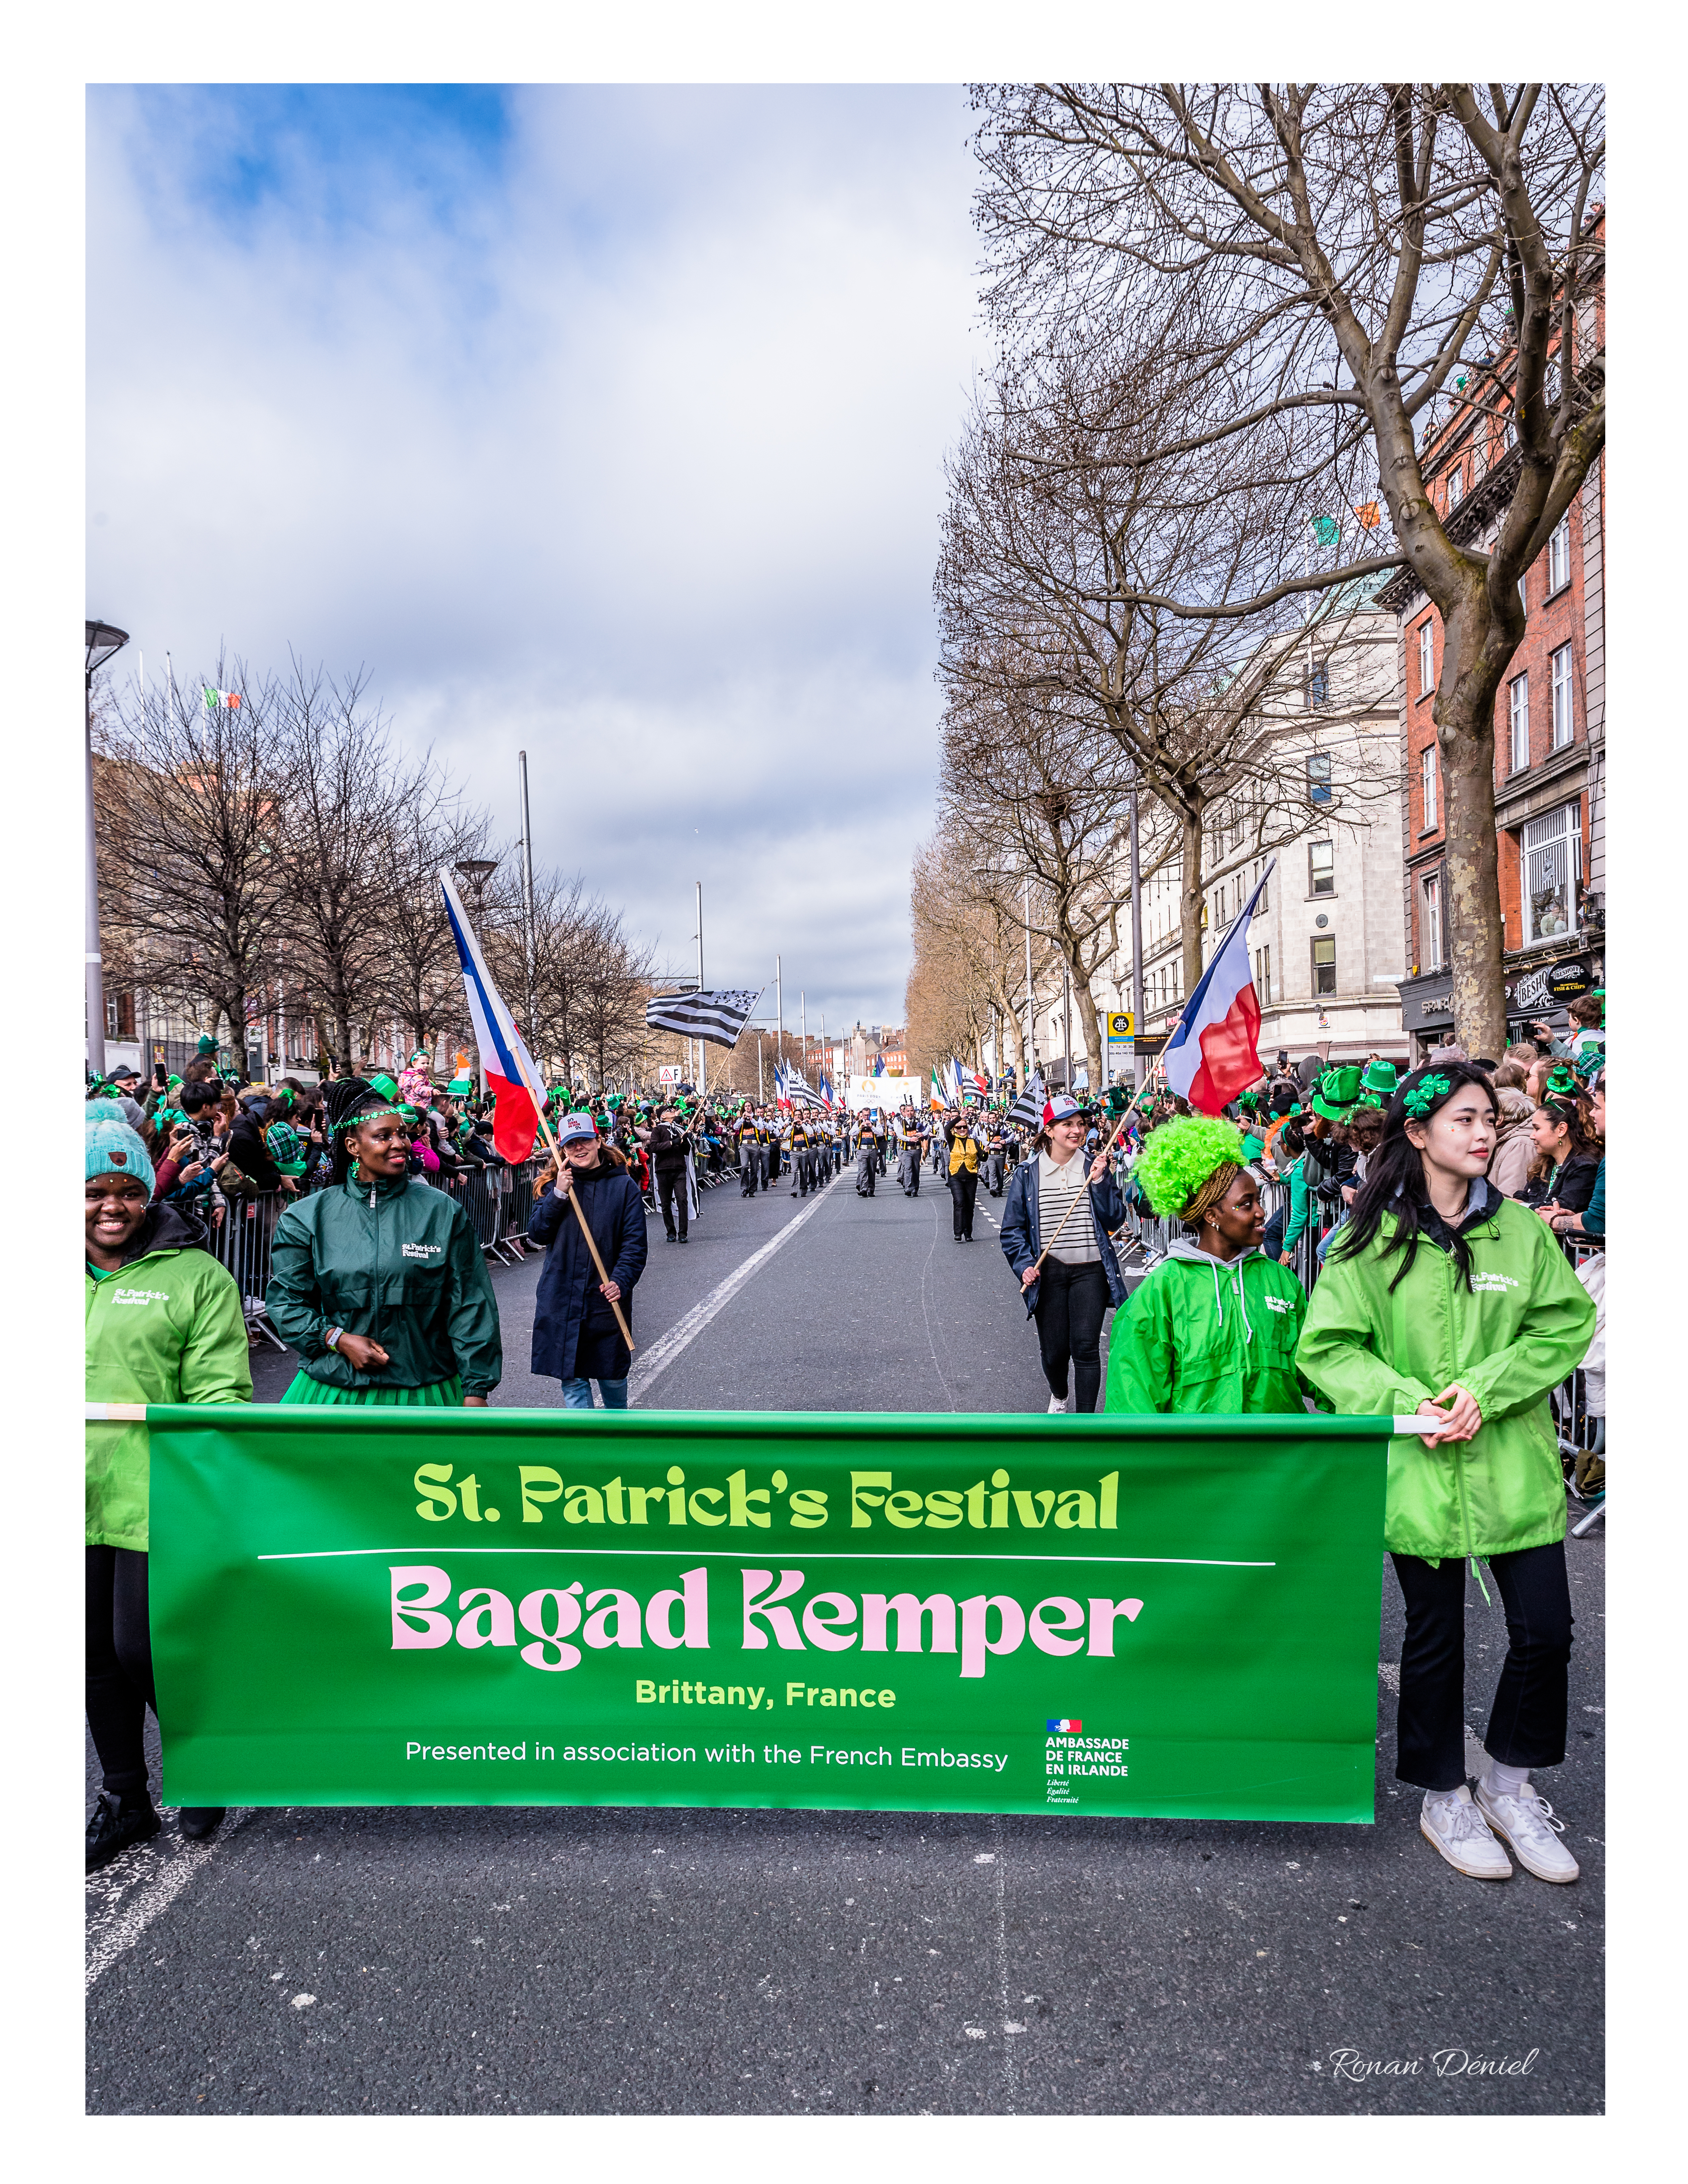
(1214, 1053)
(505, 1057)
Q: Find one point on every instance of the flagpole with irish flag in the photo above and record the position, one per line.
(519, 1108)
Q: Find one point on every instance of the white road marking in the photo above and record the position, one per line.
(138, 1888)
(667, 1347)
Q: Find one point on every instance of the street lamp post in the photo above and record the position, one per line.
(477, 872)
(105, 642)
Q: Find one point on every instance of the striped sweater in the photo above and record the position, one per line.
(1058, 1188)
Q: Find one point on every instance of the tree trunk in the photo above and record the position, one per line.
(1475, 655)
(1189, 897)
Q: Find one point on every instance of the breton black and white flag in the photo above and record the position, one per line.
(716, 1016)
(794, 1092)
(1028, 1110)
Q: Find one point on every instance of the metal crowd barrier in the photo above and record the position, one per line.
(498, 1201)
(499, 1204)
(240, 1242)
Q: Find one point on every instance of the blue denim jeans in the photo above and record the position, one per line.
(578, 1395)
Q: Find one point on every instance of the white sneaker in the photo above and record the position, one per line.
(1460, 1832)
(1056, 1403)
(1528, 1822)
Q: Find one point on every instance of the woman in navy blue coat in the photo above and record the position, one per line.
(575, 1335)
(1080, 1279)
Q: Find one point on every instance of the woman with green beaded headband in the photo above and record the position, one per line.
(1445, 1300)
(378, 1281)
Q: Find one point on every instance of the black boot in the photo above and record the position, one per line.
(198, 1821)
(116, 1822)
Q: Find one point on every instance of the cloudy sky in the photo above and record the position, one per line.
(608, 423)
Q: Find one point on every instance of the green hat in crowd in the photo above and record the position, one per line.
(379, 1083)
(1378, 1084)
(113, 1148)
(207, 1045)
(1336, 1093)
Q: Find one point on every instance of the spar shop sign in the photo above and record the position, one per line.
(970, 1614)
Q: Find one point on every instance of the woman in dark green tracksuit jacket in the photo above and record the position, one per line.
(377, 1281)
(1442, 1298)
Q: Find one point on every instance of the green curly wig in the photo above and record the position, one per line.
(1179, 1157)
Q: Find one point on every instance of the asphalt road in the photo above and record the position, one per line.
(499, 1960)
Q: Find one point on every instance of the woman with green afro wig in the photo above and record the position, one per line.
(1213, 1328)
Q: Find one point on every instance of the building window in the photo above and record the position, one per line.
(1553, 863)
(1321, 868)
(1265, 887)
(1559, 557)
(1426, 778)
(1427, 659)
(1430, 924)
(111, 1015)
(1512, 435)
(1316, 684)
(1262, 976)
(1318, 778)
(1324, 966)
(1456, 486)
(1517, 724)
(1562, 727)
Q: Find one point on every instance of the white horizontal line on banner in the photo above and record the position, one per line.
(799, 1554)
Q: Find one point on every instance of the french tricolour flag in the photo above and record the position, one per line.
(1214, 1053)
(503, 1055)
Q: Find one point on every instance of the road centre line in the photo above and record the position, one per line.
(667, 1347)
(113, 1931)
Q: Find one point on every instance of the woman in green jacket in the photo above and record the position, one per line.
(377, 1281)
(162, 1325)
(1214, 1329)
(1443, 1298)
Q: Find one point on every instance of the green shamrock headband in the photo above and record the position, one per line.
(1424, 1095)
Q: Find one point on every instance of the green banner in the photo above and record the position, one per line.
(1173, 1617)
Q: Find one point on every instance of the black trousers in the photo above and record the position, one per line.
(963, 1191)
(119, 1662)
(1527, 1721)
(670, 1191)
(1073, 1302)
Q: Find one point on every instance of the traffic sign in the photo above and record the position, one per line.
(669, 1074)
(1120, 1023)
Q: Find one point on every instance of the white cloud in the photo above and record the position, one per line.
(625, 446)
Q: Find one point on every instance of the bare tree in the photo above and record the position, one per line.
(353, 803)
(1413, 240)
(187, 793)
(416, 978)
(1078, 687)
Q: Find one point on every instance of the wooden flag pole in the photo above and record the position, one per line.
(1073, 1208)
(573, 1196)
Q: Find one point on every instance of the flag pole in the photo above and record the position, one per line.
(1119, 1131)
(573, 1196)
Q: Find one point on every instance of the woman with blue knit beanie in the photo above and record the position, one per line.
(163, 1324)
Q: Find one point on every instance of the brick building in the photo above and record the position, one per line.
(1550, 727)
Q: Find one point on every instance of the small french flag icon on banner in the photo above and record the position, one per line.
(1064, 1728)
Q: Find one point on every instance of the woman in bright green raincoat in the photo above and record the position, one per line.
(1442, 1297)
(1214, 1327)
